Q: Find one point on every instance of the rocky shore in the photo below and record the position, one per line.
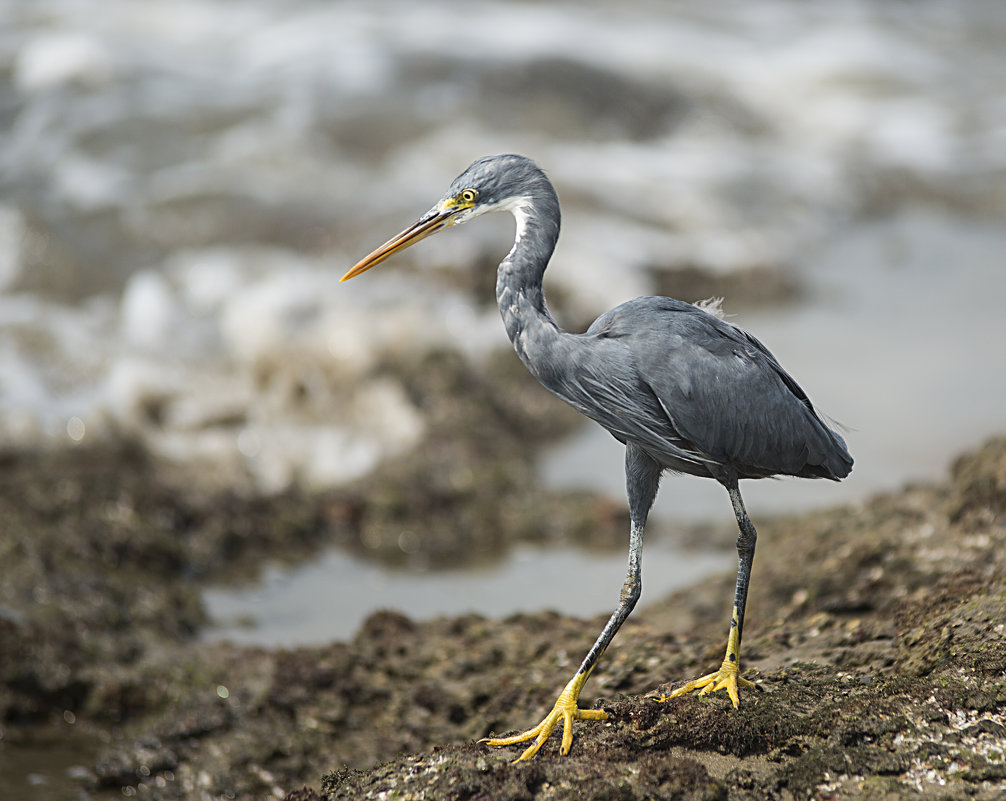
(875, 635)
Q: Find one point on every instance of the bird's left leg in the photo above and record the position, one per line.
(728, 676)
(642, 478)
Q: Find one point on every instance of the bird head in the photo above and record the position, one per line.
(493, 183)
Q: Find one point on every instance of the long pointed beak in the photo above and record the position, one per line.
(435, 220)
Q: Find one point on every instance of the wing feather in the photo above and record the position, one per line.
(722, 396)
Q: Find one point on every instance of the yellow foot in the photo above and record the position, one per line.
(565, 710)
(726, 678)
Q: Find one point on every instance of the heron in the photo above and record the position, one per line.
(684, 390)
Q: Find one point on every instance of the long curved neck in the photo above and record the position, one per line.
(518, 281)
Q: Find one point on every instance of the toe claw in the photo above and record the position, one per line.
(564, 710)
(726, 678)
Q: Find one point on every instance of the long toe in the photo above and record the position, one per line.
(562, 711)
(726, 678)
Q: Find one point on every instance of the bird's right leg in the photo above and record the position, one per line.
(728, 676)
(642, 476)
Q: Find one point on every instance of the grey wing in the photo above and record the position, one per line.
(616, 398)
(726, 394)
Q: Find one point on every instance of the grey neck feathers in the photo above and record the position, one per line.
(518, 281)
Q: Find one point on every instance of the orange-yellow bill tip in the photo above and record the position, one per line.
(428, 224)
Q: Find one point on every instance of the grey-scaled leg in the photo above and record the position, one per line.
(728, 676)
(642, 478)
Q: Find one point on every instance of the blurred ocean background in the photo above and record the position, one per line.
(183, 182)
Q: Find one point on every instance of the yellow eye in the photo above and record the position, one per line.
(469, 195)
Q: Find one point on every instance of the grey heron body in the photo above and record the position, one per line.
(682, 390)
